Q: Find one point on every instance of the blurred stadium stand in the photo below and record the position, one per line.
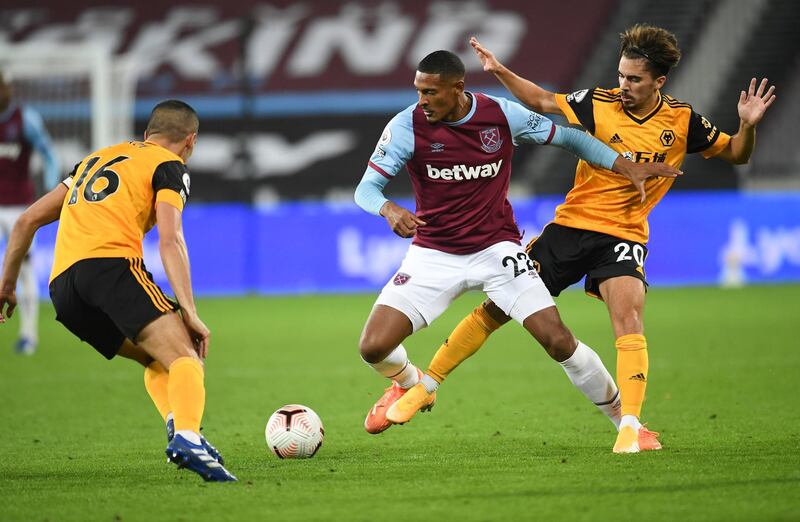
(293, 95)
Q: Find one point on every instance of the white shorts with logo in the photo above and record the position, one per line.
(429, 280)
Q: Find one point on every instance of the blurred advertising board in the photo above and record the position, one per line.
(709, 238)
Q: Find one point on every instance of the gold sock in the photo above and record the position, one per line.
(187, 393)
(632, 368)
(156, 382)
(465, 340)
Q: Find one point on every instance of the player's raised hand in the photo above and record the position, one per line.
(403, 222)
(8, 302)
(638, 173)
(487, 57)
(754, 103)
(198, 331)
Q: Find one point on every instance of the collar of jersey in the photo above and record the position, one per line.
(641, 121)
(469, 115)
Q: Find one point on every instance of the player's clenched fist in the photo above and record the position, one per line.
(403, 222)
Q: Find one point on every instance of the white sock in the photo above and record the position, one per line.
(630, 420)
(189, 435)
(587, 373)
(397, 367)
(429, 382)
(28, 300)
(169, 418)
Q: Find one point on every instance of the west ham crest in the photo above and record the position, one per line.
(490, 139)
(401, 279)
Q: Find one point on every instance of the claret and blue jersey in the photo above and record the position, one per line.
(460, 170)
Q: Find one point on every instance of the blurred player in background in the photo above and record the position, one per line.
(601, 230)
(457, 147)
(21, 132)
(99, 285)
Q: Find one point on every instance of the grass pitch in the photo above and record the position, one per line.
(510, 438)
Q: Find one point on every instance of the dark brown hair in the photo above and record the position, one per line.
(657, 46)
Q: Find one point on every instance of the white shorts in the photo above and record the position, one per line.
(429, 280)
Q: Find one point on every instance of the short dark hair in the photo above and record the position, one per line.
(173, 119)
(657, 46)
(443, 63)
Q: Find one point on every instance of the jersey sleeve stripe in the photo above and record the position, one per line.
(141, 278)
(550, 136)
(380, 170)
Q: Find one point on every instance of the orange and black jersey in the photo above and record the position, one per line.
(603, 201)
(110, 202)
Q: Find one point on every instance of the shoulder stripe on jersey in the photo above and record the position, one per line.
(380, 170)
(604, 93)
(672, 102)
(678, 104)
(605, 97)
(604, 100)
(158, 298)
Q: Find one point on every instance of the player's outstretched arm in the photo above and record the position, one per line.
(598, 153)
(175, 257)
(638, 173)
(530, 94)
(752, 106)
(45, 210)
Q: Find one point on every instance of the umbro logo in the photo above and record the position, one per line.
(615, 139)
(638, 377)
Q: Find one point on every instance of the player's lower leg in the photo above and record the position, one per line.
(28, 303)
(187, 398)
(467, 338)
(404, 375)
(587, 372)
(632, 370)
(156, 382)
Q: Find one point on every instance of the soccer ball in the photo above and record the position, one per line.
(294, 432)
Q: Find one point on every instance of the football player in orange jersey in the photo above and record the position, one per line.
(99, 285)
(601, 229)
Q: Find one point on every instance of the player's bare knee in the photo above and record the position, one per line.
(628, 323)
(557, 340)
(373, 348)
(562, 346)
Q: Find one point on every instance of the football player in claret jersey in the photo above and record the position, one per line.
(457, 147)
(100, 288)
(601, 230)
(22, 131)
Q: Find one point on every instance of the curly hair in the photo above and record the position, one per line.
(657, 46)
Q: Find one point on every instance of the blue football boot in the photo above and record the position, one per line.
(195, 458)
(214, 452)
